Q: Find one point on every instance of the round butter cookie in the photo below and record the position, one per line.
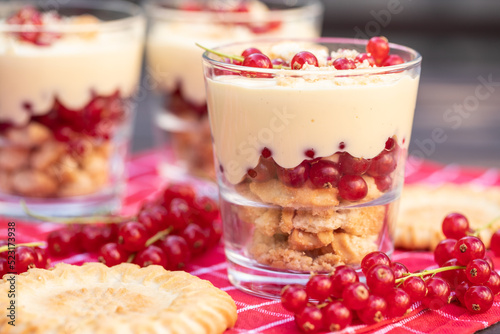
(124, 299)
(423, 208)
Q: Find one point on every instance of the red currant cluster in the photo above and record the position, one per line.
(390, 290)
(30, 16)
(26, 256)
(377, 54)
(167, 231)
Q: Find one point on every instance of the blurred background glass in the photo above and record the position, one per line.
(457, 119)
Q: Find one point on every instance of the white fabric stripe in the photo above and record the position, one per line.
(251, 307)
(488, 178)
(447, 173)
(204, 270)
(449, 316)
(272, 324)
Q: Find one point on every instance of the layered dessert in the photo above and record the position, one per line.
(65, 89)
(310, 141)
(174, 61)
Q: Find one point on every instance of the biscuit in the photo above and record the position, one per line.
(423, 208)
(123, 299)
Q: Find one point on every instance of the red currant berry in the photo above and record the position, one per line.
(351, 165)
(132, 236)
(294, 298)
(356, 296)
(195, 238)
(179, 214)
(455, 226)
(154, 219)
(176, 250)
(495, 243)
(375, 311)
(344, 64)
(258, 60)
(302, 58)
(438, 292)
(61, 242)
(207, 209)
(249, 51)
(380, 279)
(25, 258)
(467, 249)
(352, 187)
(478, 299)
(92, 237)
(319, 287)
(415, 287)
(151, 255)
(490, 261)
(374, 258)
(279, 62)
(41, 257)
(399, 269)
(383, 183)
(112, 254)
(214, 234)
(309, 320)
(460, 291)
(266, 153)
(294, 177)
(493, 282)
(453, 277)
(378, 47)
(398, 303)
(478, 271)
(392, 60)
(336, 316)
(444, 251)
(360, 58)
(383, 164)
(324, 174)
(178, 190)
(342, 277)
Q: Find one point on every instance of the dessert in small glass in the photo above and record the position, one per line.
(68, 75)
(309, 153)
(174, 62)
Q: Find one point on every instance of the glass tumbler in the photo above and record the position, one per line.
(68, 74)
(309, 162)
(174, 64)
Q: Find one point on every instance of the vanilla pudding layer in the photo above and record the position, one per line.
(73, 69)
(292, 115)
(175, 61)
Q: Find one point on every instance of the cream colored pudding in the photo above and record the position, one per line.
(175, 60)
(249, 114)
(73, 69)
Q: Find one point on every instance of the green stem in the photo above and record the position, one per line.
(158, 236)
(485, 226)
(221, 54)
(28, 244)
(76, 220)
(428, 272)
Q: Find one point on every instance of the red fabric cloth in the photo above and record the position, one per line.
(258, 315)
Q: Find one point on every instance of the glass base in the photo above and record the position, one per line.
(78, 206)
(259, 281)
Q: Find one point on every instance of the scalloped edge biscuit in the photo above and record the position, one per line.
(123, 299)
(423, 208)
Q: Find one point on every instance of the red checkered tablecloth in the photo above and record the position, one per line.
(258, 315)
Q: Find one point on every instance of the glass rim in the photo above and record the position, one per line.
(302, 9)
(416, 61)
(132, 11)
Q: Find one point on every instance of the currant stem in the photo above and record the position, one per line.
(485, 226)
(76, 220)
(28, 244)
(158, 236)
(221, 54)
(428, 272)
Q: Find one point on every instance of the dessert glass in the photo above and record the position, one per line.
(310, 163)
(174, 63)
(69, 72)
